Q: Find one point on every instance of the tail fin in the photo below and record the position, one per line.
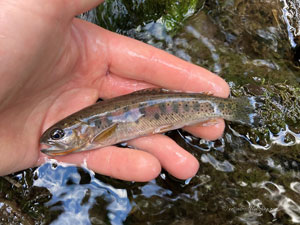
(247, 111)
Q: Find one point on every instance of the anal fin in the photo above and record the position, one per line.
(163, 129)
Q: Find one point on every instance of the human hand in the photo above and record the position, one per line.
(52, 64)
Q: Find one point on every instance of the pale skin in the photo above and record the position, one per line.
(52, 65)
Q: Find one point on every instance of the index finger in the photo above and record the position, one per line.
(136, 60)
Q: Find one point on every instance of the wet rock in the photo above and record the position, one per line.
(11, 213)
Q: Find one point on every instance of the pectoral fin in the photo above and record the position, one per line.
(101, 137)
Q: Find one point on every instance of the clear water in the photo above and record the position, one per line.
(249, 176)
(76, 194)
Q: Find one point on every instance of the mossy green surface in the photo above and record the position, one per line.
(122, 16)
(250, 175)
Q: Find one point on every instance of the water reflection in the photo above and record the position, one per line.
(249, 176)
(76, 195)
(291, 15)
(277, 194)
(218, 165)
(251, 45)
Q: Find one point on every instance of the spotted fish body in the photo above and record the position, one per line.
(141, 113)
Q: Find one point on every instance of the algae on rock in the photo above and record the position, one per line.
(124, 15)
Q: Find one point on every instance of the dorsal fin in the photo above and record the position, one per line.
(151, 91)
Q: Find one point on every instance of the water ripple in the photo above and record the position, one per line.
(75, 199)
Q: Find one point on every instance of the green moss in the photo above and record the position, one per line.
(246, 43)
(123, 16)
(280, 113)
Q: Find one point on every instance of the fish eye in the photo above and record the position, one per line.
(57, 134)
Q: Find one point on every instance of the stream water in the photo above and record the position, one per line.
(249, 176)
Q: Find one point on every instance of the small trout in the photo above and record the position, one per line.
(138, 114)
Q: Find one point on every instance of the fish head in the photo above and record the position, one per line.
(62, 140)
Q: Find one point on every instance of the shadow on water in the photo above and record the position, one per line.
(249, 176)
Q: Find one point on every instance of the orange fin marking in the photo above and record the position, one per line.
(208, 123)
(207, 93)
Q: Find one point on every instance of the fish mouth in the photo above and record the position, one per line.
(53, 151)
